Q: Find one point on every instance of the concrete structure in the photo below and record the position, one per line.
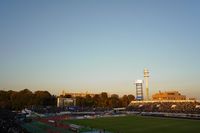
(62, 102)
(139, 90)
(69, 99)
(146, 78)
(162, 101)
(77, 94)
(171, 95)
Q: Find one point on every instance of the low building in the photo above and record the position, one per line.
(69, 99)
(75, 94)
(62, 102)
(171, 95)
(79, 94)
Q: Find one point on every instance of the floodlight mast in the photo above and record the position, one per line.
(139, 90)
(146, 77)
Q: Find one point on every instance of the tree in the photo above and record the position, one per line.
(115, 96)
(27, 97)
(97, 100)
(21, 99)
(89, 101)
(114, 101)
(131, 97)
(104, 99)
(42, 98)
(80, 101)
(53, 100)
(125, 101)
(68, 96)
(5, 100)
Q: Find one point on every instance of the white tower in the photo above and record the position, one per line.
(139, 90)
(146, 78)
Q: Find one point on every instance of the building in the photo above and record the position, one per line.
(62, 102)
(69, 99)
(171, 95)
(79, 94)
(139, 90)
(74, 94)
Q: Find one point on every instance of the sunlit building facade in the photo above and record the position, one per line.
(171, 95)
(79, 94)
(74, 94)
(62, 102)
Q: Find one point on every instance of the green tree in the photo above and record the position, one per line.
(42, 98)
(5, 100)
(97, 100)
(125, 101)
(114, 101)
(89, 102)
(104, 100)
(21, 99)
(131, 97)
(80, 101)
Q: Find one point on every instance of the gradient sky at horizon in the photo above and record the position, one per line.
(96, 46)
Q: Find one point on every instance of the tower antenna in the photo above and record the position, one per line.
(146, 78)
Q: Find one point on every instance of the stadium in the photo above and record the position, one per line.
(99, 66)
(166, 112)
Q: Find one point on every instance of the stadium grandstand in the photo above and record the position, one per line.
(172, 106)
(171, 95)
(169, 102)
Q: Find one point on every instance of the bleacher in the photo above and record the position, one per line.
(8, 122)
(170, 106)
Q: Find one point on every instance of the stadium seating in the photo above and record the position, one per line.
(178, 107)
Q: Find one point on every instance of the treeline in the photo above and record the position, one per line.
(17, 100)
(103, 100)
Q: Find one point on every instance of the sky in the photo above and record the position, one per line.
(100, 45)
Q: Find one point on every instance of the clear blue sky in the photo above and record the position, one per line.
(100, 45)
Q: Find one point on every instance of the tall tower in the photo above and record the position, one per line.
(139, 90)
(146, 78)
